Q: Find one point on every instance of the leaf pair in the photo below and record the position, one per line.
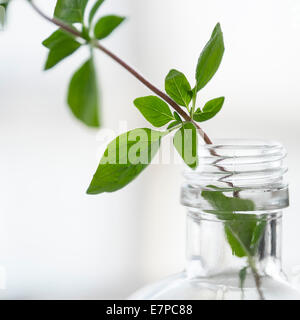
(179, 89)
(158, 113)
(176, 84)
(83, 93)
(72, 11)
(83, 90)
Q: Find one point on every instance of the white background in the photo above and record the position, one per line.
(57, 242)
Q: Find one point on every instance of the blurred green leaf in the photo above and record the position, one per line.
(106, 25)
(2, 16)
(210, 109)
(94, 10)
(124, 159)
(61, 45)
(70, 11)
(178, 88)
(186, 141)
(154, 110)
(210, 58)
(3, 12)
(83, 94)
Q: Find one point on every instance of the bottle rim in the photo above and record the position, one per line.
(233, 166)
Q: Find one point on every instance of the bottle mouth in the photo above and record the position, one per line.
(236, 161)
(241, 152)
(254, 169)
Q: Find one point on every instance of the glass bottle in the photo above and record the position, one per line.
(235, 200)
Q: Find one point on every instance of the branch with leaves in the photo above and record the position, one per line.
(175, 110)
(76, 29)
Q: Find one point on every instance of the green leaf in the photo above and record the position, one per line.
(61, 45)
(242, 230)
(210, 58)
(94, 10)
(2, 16)
(210, 109)
(178, 88)
(106, 25)
(83, 94)
(239, 234)
(186, 142)
(3, 12)
(70, 11)
(154, 110)
(124, 159)
(4, 3)
(177, 116)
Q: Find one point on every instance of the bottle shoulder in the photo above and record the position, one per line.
(222, 287)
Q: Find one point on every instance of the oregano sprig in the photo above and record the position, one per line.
(130, 153)
(157, 112)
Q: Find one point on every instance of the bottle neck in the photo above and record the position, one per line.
(211, 251)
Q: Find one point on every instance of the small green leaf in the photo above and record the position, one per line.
(3, 12)
(177, 116)
(173, 124)
(178, 88)
(154, 110)
(242, 230)
(210, 58)
(210, 109)
(83, 94)
(106, 25)
(94, 10)
(186, 142)
(2, 16)
(61, 45)
(124, 159)
(70, 11)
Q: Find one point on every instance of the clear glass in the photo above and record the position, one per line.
(235, 200)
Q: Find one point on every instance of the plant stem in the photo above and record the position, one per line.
(57, 22)
(194, 102)
(252, 265)
(137, 75)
